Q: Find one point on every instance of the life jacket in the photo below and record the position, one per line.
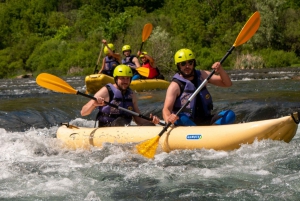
(108, 114)
(128, 62)
(187, 88)
(110, 64)
(152, 71)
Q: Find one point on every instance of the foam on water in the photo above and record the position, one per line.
(35, 164)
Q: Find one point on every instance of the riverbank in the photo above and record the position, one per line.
(237, 74)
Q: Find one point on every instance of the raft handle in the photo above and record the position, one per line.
(68, 125)
(296, 117)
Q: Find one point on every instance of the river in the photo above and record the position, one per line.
(34, 166)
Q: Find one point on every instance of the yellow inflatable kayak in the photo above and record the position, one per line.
(95, 82)
(225, 137)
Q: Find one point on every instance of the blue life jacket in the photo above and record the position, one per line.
(187, 88)
(108, 114)
(128, 60)
(110, 64)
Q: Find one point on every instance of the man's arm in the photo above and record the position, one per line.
(101, 95)
(102, 67)
(173, 92)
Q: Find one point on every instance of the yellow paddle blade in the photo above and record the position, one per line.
(248, 30)
(148, 148)
(143, 71)
(54, 83)
(146, 31)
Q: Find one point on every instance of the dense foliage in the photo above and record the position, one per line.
(64, 37)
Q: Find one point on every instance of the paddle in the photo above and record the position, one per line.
(148, 148)
(146, 33)
(143, 71)
(95, 71)
(54, 83)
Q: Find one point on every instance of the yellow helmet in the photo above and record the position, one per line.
(123, 71)
(126, 47)
(183, 55)
(143, 54)
(111, 46)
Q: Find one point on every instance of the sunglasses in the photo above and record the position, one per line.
(190, 62)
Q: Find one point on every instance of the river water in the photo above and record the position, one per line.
(34, 166)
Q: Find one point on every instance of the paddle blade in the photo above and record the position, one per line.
(54, 83)
(146, 31)
(248, 30)
(143, 71)
(148, 148)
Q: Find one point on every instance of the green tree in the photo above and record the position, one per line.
(289, 23)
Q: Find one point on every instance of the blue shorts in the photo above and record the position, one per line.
(222, 118)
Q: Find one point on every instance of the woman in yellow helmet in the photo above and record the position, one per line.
(130, 60)
(184, 84)
(119, 94)
(111, 60)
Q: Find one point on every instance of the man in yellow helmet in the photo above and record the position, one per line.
(119, 94)
(184, 84)
(111, 60)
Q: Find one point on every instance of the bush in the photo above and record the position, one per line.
(278, 58)
(248, 61)
(160, 49)
(205, 57)
(47, 56)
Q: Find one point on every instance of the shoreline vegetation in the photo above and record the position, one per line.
(64, 38)
(236, 74)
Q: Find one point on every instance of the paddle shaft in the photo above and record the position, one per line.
(120, 108)
(196, 92)
(141, 46)
(95, 71)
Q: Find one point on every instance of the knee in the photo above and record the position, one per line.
(227, 117)
(135, 77)
(184, 120)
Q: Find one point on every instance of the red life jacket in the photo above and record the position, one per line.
(152, 71)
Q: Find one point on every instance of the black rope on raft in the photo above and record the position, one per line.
(65, 124)
(296, 120)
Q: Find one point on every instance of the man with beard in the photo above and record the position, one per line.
(184, 84)
(119, 94)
